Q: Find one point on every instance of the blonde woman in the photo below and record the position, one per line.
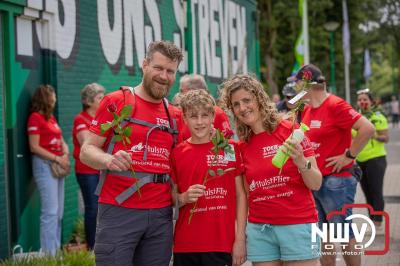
(281, 205)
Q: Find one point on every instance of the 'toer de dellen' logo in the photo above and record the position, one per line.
(339, 233)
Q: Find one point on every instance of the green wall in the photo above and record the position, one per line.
(70, 43)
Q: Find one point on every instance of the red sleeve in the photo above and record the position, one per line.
(79, 124)
(345, 115)
(221, 122)
(308, 150)
(34, 124)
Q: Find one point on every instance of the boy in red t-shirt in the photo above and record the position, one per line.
(209, 237)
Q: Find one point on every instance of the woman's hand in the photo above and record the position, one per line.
(63, 161)
(295, 151)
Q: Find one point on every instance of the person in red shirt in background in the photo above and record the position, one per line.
(47, 145)
(87, 177)
(132, 228)
(281, 205)
(221, 121)
(331, 120)
(210, 238)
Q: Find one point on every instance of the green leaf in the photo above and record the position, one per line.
(105, 127)
(117, 138)
(127, 131)
(115, 116)
(220, 172)
(126, 111)
(211, 172)
(217, 137)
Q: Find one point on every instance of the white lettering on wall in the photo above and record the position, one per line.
(179, 40)
(223, 22)
(52, 33)
(110, 35)
(218, 32)
(132, 31)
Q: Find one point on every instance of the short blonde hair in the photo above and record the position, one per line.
(268, 112)
(89, 92)
(195, 100)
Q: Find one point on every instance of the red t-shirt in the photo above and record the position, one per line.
(221, 122)
(276, 198)
(82, 122)
(212, 228)
(330, 130)
(154, 195)
(49, 131)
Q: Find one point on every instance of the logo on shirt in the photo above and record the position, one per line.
(216, 160)
(80, 126)
(155, 151)
(269, 151)
(94, 122)
(162, 122)
(353, 113)
(268, 183)
(55, 141)
(315, 124)
(216, 193)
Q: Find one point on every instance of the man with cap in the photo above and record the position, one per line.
(331, 120)
(288, 92)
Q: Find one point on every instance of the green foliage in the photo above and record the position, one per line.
(79, 231)
(62, 259)
(280, 25)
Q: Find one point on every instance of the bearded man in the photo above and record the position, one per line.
(135, 213)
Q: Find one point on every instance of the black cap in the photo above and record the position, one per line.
(288, 89)
(315, 73)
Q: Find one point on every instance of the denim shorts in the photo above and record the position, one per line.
(292, 242)
(334, 193)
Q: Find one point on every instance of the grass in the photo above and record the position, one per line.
(62, 259)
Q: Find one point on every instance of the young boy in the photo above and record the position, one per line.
(210, 237)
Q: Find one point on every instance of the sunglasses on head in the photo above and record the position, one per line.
(362, 91)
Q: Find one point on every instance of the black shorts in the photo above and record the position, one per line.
(203, 259)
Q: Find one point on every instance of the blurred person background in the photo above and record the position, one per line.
(87, 177)
(372, 158)
(47, 145)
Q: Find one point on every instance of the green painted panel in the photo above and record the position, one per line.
(100, 41)
(4, 208)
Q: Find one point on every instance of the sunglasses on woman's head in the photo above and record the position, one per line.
(362, 91)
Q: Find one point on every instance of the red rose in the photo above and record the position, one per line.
(112, 108)
(307, 75)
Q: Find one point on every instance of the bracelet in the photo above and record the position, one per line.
(349, 155)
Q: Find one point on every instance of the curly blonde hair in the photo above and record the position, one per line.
(196, 100)
(268, 112)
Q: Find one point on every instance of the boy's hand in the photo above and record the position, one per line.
(193, 193)
(239, 252)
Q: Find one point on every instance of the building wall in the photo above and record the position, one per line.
(70, 43)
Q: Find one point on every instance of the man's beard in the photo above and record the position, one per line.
(149, 86)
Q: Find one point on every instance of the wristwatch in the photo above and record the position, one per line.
(307, 166)
(348, 155)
